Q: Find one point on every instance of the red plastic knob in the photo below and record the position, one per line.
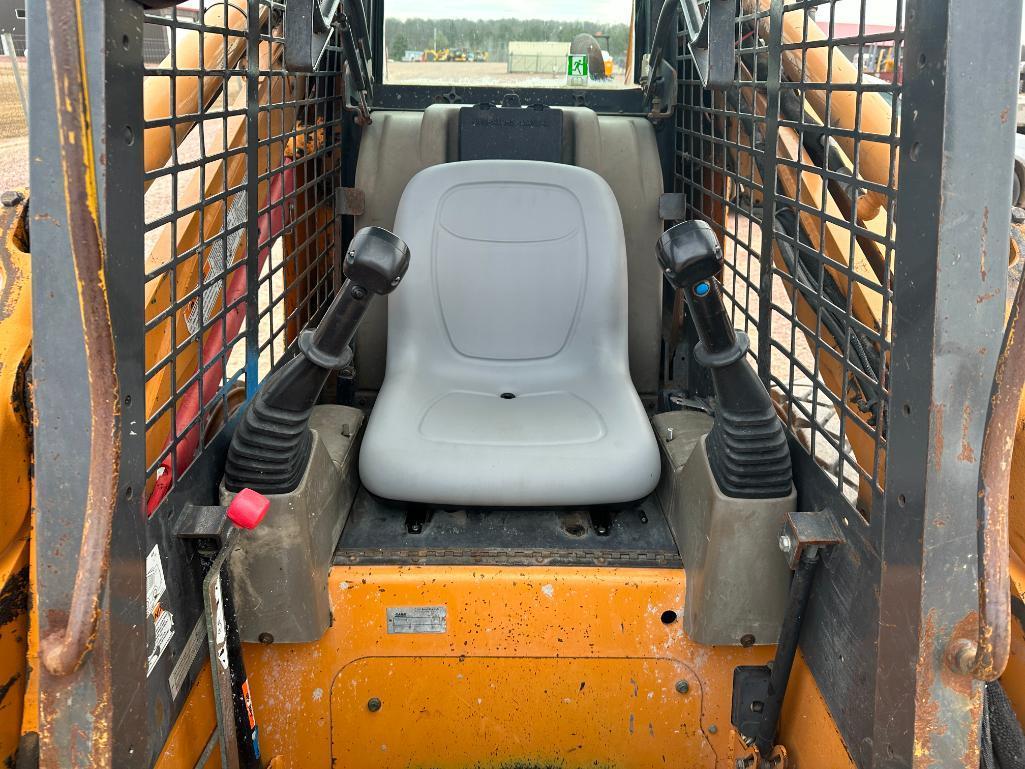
(247, 509)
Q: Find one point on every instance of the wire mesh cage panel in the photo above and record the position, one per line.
(241, 165)
(795, 165)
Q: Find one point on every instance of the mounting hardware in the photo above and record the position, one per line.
(758, 690)
(601, 520)
(373, 704)
(682, 686)
(803, 531)
(658, 78)
(417, 518)
(786, 544)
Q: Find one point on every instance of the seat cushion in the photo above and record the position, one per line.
(507, 379)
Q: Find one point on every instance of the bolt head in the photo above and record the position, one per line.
(11, 198)
(682, 687)
(786, 543)
(373, 704)
(358, 292)
(1017, 215)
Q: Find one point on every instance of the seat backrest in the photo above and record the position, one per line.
(515, 264)
(619, 148)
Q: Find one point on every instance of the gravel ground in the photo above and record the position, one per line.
(478, 73)
(13, 129)
(14, 163)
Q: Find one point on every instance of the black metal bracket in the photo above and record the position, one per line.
(759, 690)
(417, 518)
(350, 201)
(601, 521)
(658, 77)
(205, 526)
(808, 530)
(310, 28)
(750, 693)
(711, 38)
(308, 31)
(156, 5)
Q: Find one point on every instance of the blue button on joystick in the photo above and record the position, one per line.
(702, 288)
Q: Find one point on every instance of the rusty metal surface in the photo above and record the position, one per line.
(63, 649)
(950, 282)
(351, 201)
(78, 711)
(985, 656)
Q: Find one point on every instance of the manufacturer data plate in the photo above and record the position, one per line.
(418, 619)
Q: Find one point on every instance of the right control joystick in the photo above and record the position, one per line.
(747, 447)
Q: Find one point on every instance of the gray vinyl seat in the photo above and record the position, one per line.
(507, 379)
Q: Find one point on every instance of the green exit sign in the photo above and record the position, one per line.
(577, 65)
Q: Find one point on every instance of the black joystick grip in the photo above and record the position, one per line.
(691, 258)
(747, 447)
(374, 266)
(271, 447)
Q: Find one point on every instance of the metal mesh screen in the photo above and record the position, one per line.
(242, 162)
(795, 166)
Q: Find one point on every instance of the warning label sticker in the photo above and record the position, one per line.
(418, 619)
(155, 585)
(220, 626)
(163, 620)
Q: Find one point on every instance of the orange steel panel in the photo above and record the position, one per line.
(806, 728)
(493, 612)
(14, 630)
(15, 475)
(517, 711)
(502, 685)
(190, 733)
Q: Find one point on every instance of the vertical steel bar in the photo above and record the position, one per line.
(253, 246)
(960, 82)
(771, 134)
(103, 692)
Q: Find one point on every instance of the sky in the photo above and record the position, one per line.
(558, 10)
(878, 11)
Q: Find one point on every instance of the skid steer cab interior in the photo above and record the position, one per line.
(468, 392)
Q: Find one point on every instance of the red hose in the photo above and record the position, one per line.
(271, 222)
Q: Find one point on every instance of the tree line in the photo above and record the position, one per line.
(493, 35)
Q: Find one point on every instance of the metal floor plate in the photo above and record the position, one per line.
(385, 532)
